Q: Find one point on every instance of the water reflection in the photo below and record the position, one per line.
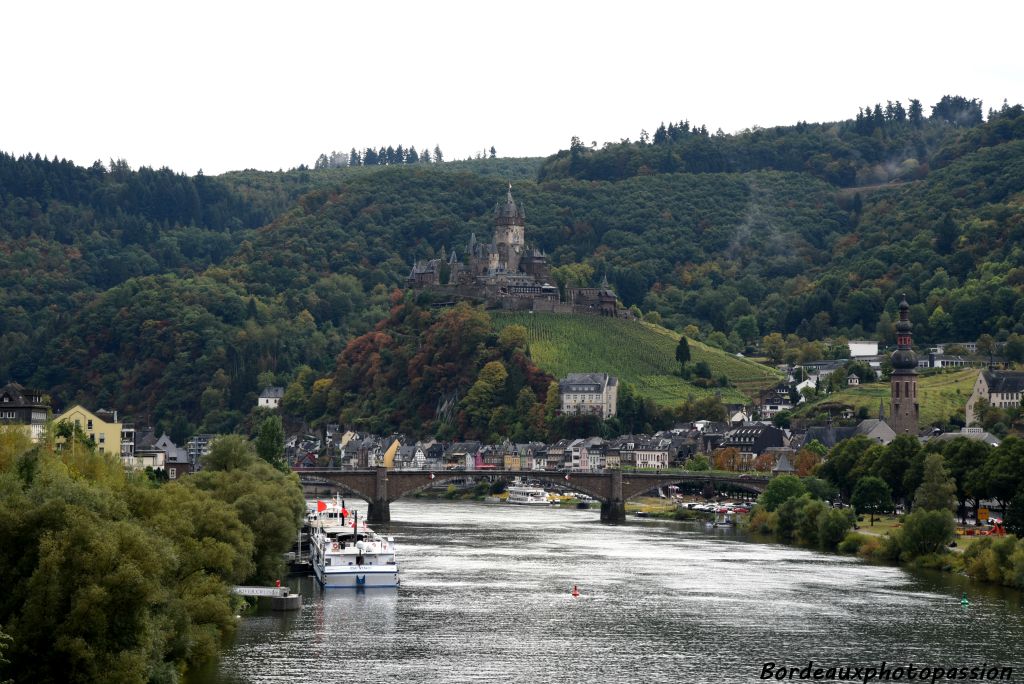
(485, 597)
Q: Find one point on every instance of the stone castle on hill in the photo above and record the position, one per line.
(507, 273)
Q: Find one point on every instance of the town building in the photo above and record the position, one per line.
(589, 394)
(904, 411)
(1002, 389)
(751, 441)
(862, 348)
(198, 447)
(22, 406)
(270, 397)
(102, 427)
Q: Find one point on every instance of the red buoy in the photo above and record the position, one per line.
(575, 591)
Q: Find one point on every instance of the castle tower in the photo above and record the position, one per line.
(904, 411)
(509, 233)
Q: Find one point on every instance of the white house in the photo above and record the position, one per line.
(862, 348)
(589, 393)
(270, 397)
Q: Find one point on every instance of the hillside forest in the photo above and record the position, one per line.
(175, 299)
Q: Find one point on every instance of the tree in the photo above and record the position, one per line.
(927, 531)
(494, 152)
(937, 491)
(726, 459)
(779, 490)
(872, 495)
(229, 452)
(746, 328)
(270, 442)
(682, 352)
(805, 463)
(774, 346)
(916, 113)
(833, 525)
(1014, 518)
(438, 157)
(698, 463)
(964, 458)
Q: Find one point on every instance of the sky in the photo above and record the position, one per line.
(220, 85)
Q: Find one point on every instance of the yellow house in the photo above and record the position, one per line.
(102, 426)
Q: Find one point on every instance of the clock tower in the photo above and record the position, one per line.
(904, 411)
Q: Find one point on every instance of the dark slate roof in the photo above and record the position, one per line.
(829, 435)
(1003, 382)
(272, 393)
(601, 380)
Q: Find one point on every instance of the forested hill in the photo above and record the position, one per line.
(170, 296)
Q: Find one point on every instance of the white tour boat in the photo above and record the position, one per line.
(523, 494)
(352, 556)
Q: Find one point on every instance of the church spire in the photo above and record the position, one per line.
(904, 411)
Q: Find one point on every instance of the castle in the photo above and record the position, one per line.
(507, 273)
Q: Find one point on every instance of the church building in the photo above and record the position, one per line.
(904, 409)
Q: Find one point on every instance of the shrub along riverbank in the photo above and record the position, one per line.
(788, 512)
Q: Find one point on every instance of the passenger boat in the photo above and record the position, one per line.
(352, 556)
(522, 494)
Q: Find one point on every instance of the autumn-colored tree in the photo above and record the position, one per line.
(726, 459)
(764, 463)
(806, 462)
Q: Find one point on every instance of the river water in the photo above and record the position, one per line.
(485, 597)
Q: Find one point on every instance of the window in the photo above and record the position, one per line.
(88, 424)
(172, 473)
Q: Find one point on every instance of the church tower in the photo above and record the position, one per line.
(509, 233)
(903, 415)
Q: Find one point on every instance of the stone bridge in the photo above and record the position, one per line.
(612, 488)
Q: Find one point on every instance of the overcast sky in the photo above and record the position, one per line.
(219, 86)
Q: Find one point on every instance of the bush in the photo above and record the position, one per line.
(927, 531)
(761, 521)
(884, 548)
(807, 525)
(788, 516)
(833, 526)
(852, 543)
(1000, 561)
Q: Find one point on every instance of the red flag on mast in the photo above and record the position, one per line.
(320, 506)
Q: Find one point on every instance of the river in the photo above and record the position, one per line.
(485, 597)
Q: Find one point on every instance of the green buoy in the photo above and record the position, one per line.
(963, 599)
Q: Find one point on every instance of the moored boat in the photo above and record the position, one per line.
(523, 494)
(353, 556)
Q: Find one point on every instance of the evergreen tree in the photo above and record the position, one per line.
(412, 157)
(270, 442)
(438, 157)
(937, 491)
(425, 157)
(916, 113)
(494, 152)
(683, 352)
(353, 158)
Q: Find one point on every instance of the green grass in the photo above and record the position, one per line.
(640, 354)
(939, 396)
